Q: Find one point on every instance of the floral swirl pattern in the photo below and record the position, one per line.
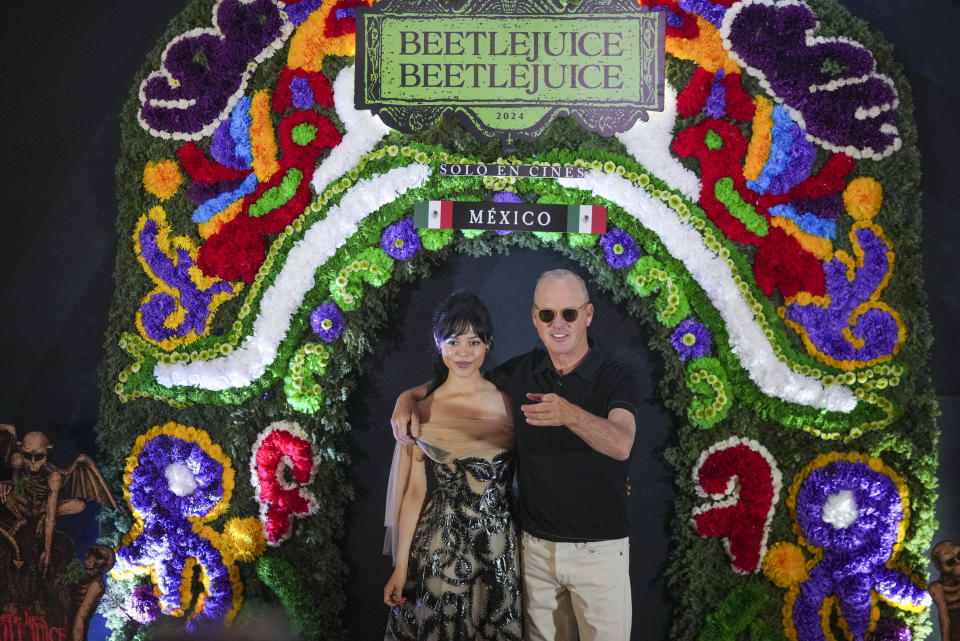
(464, 557)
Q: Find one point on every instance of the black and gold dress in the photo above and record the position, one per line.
(463, 578)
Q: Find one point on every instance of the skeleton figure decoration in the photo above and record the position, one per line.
(946, 591)
(35, 492)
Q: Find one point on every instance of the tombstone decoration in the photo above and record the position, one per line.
(946, 590)
(45, 591)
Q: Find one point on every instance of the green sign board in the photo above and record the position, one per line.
(508, 68)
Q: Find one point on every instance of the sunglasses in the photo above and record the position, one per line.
(569, 314)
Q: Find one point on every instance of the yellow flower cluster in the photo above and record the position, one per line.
(706, 49)
(309, 46)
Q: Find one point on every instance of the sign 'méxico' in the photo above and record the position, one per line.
(509, 73)
(448, 214)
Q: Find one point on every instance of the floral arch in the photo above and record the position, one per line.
(758, 224)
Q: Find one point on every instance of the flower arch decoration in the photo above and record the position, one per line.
(758, 224)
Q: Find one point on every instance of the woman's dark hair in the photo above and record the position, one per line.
(461, 313)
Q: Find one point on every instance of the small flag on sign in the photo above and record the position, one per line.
(586, 219)
(433, 214)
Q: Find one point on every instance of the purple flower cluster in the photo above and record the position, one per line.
(712, 13)
(142, 605)
(299, 12)
(619, 248)
(891, 630)
(327, 322)
(874, 324)
(773, 39)
(506, 197)
(717, 100)
(161, 305)
(168, 539)
(855, 549)
(400, 240)
(248, 28)
(223, 147)
(876, 497)
(302, 94)
(691, 339)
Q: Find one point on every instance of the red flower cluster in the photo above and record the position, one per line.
(319, 85)
(203, 170)
(740, 470)
(279, 447)
(239, 249)
(336, 27)
(693, 98)
(781, 261)
(688, 28)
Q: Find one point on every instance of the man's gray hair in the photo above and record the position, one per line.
(556, 274)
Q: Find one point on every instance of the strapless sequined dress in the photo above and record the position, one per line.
(463, 580)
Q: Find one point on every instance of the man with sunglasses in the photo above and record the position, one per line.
(574, 410)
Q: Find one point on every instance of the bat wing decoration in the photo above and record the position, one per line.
(83, 481)
(8, 447)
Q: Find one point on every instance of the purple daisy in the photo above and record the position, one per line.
(400, 240)
(691, 339)
(619, 248)
(326, 322)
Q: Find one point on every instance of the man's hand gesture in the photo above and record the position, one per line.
(550, 410)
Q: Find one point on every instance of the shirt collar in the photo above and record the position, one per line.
(585, 370)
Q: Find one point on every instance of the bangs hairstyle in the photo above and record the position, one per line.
(461, 313)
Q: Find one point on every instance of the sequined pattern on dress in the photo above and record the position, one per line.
(463, 580)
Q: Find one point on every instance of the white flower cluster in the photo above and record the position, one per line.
(649, 143)
(364, 131)
(282, 299)
(713, 274)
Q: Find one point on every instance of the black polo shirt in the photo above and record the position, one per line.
(568, 491)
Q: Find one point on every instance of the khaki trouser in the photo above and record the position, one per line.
(576, 586)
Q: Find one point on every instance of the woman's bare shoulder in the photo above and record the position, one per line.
(425, 408)
(487, 403)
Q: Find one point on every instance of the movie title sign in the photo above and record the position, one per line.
(451, 214)
(29, 627)
(511, 171)
(508, 74)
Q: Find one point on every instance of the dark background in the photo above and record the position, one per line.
(68, 68)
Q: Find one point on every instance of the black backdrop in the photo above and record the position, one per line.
(67, 69)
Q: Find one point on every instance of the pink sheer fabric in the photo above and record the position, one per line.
(442, 440)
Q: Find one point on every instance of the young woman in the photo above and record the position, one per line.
(449, 507)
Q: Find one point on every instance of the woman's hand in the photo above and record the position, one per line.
(393, 591)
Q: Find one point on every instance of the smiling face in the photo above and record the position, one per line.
(463, 354)
(566, 341)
